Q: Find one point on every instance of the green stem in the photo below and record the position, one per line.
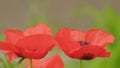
(31, 66)
(20, 61)
(106, 63)
(81, 64)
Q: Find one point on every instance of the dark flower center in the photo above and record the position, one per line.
(87, 57)
(83, 43)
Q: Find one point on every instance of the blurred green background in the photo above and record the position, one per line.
(77, 14)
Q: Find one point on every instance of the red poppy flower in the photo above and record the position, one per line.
(83, 45)
(34, 42)
(51, 62)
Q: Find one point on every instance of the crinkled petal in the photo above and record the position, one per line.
(38, 54)
(67, 45)
(89, 52)
(39, 29)
(35, 43)
(10, 50)
(78, 35)
(5, 46)
(99, 37)
(63, 33)
(12, 36)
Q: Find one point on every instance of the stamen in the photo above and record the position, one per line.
(82, 43)
(87, 57)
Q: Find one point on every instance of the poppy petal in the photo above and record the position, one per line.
(5, 46)
(11, 55)
(63, 33)
(10, 50)
(75, 35)
(39, 29)
(47, 63)
(78, 35)
(32, 54)
(8, 47)
(89, 52)
(67, 34)
(67, 45)
(107, 39)
(13, 36)
(35, 43)
(99, 37)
